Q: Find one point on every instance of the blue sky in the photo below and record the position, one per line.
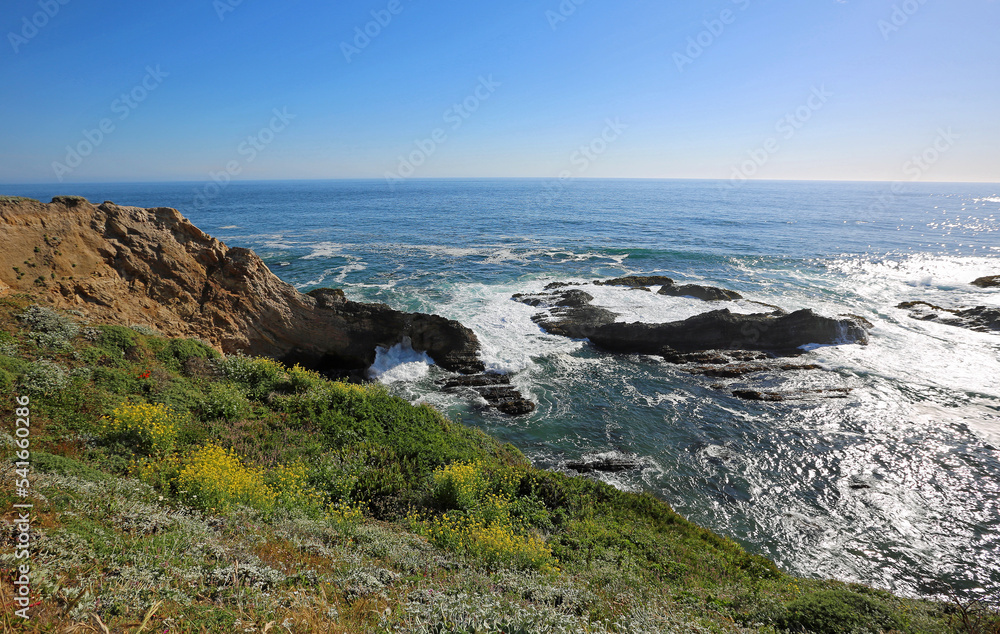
(824, 89)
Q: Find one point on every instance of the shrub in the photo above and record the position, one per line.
(178, 351)
(60, 465)
(143, 329)
(224, 401)
(486, 523)
(215, 478)
(301, 380)
(290, 484)
(149, 428)
(7, 381)
(117, 339)
(49, 328)
(8, 347)
(459, 485)
(45, 377)
(70, 201)
(115, 380)
(258, 376)
(837, 612)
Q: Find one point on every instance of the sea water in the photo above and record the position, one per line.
(897, 485)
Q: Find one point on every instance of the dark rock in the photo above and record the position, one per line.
(636, 281)
(706, 293)
(723, 330)
(728, 371)
(495, 390)
(734, 370)
(608, 465)
(800, 366)
(759, 395)
(575, 323)
(755, 395)
(328, 297)
(709, 357)
(861, 320)
(570, 299)
(979, 318)
(554, 285)
(990, 281)
(476, 380)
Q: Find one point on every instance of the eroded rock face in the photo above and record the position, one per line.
(979, 318)
(129, 265)
(990, 281)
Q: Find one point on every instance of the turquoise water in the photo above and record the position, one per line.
(895, 486)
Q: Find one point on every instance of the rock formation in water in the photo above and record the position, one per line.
(671, 288)
(978, 318)
(569, 313)
(990, 281)
(129, 265)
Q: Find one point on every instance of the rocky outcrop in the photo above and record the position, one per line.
(759, 395)
(606, 464)
(671, 288)
(635, 281)
(706, 293)
(991, 281)
(495, 389)
(569, 314)
(152, 266)
(979, 318)
(724, 330)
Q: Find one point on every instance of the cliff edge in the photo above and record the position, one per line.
(131, 265)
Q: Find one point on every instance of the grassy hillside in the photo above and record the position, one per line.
(176, 491)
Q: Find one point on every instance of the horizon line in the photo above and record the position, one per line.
(473, 178)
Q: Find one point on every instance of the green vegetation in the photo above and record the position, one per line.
(195, 493)
(16, 199)
(69, 201)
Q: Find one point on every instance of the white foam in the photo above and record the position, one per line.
(347, 270)
(509, 340)
(231, 227)
(399, 363)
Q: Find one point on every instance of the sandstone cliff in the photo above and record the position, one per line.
(152, 266)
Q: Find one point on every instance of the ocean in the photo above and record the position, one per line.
(896, 486)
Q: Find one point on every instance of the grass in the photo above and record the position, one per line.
(191, 493)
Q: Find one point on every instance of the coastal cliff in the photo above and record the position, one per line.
(131, 265)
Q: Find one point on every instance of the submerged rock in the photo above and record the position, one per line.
(761, 395)
(607, 465)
